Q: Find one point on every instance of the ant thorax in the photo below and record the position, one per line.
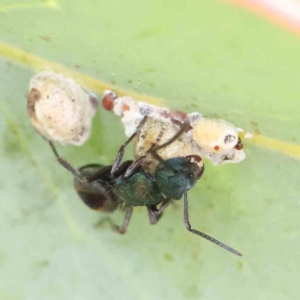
(215, 139)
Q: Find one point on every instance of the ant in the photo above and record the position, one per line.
(128, 184)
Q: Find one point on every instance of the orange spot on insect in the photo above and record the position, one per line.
(217, 148)
(125, 107)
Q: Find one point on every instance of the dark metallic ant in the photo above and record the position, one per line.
(127, 184)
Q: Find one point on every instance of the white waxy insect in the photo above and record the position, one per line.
(215, 139)
(218, 140)
(59, 109)
(158, 129)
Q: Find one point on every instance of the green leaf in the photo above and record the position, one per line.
(203, 56)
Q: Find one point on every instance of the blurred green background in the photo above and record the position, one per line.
(205, 56)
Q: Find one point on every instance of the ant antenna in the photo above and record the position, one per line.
(121, 151)
(154, 148)
(65, 164)
(211, 239)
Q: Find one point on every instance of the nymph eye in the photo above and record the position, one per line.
(191, 175)
(229, 138)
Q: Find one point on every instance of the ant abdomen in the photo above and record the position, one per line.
(95, 194)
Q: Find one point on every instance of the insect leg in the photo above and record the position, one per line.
(65, 164)
(132, 168)
(164, 205)
(126, 221)
(136, 164)
(180, 123)
(183, 128)
(211, 239)
(121, 151)
(153, 216)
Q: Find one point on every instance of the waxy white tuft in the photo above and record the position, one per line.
(59, 109)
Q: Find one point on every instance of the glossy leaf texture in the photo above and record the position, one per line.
(205, 56)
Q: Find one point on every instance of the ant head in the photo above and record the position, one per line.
(95, 194)
(195, 166)
(177, 175)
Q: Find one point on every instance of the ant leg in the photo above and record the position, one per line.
(139, 161)
(65, 164)
(180, 123)
(183, 128)
(121, 151)
(211, 239)
(126, 221)
(120, 154)
(153, 216)
(136, 164)
(164, 205)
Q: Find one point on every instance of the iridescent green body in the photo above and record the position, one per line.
(172, 178)
(176, 175)
(139, 189)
